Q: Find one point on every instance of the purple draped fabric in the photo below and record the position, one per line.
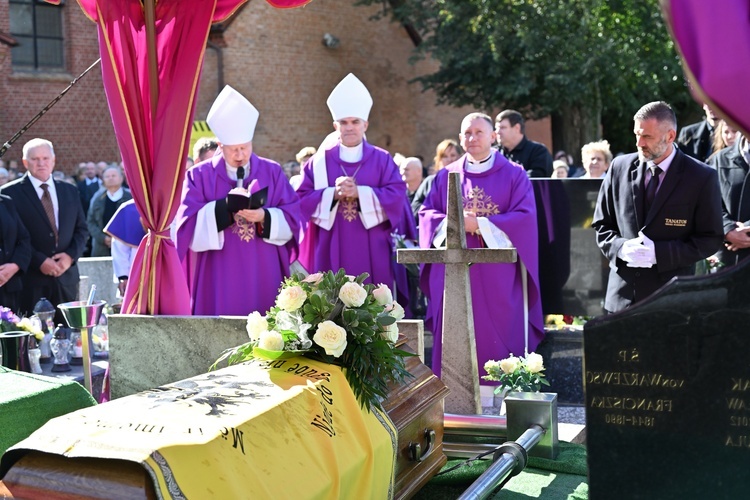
(152, 53)
(244, 275)
(349, 244)
(719, 76)
(507, 198)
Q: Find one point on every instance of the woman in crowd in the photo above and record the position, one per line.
(559, 169)
(724, 136)
(596, 158)
(446, 153)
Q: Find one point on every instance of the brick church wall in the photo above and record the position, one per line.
(79, 125)
(273, 56)
(276, 58)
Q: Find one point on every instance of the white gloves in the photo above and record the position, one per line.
(638, 252)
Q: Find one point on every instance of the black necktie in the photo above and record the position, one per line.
(652, 186)
(49, 209)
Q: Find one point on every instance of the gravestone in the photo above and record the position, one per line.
(99, 273)
(668, 392)
(572, 270)
(150, 351)
(459, 370)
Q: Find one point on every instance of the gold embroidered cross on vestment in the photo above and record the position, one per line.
(244, 229)
(480, 203)
(349, 205)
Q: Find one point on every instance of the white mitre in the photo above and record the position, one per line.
(232, 118)
(349, 99)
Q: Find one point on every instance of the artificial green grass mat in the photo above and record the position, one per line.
(28, 401)
(564, 478)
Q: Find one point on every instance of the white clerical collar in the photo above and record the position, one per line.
(477, 167)
(116, 195)
(232, 171)
(351, 154)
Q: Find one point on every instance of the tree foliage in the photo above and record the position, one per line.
(595, 58)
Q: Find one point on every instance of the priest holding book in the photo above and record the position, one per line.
(238, 221)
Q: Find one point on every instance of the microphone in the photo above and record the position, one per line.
(240, 176)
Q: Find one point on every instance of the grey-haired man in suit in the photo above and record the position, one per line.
(52, 212)
(658, 212)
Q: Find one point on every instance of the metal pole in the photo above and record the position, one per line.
(85, 339)
(31, 122)
(510, 459)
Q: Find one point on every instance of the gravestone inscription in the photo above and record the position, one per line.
(668, 393)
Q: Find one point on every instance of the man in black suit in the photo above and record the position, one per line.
(88, 187)
(658, 212)
(52, 212)
(15, 253)
(511, 136)
(697, 139)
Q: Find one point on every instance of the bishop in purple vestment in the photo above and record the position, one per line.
(236, 258)
(353, 198)
(499, 212)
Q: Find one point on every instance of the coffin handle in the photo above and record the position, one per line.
(415, 449)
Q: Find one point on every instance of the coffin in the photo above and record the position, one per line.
(415, 409)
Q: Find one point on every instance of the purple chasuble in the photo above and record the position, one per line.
(244, 276)
(348, 244)
(125, 224)
(505, 196)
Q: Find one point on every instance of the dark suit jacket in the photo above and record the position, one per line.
(86, 192)
(684, 222)
(733, 173)
(696, 140)
(16, 246)
(72, 235)
(534, 157)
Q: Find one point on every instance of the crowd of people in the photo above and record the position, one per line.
(247, 221)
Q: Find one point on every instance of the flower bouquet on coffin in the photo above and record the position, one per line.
(337, 319)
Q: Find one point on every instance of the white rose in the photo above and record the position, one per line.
(255, 325)
(271, 341)
(331, 337)
(491, 365)
(382, 295)
(353, 294)
(313, 279)
(509, 364)
(391, 333)
(291, 298)
(534, 362)
(396, 311)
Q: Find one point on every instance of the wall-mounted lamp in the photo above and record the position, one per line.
(330, 41)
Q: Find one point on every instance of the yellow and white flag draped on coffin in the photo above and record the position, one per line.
(288, 428)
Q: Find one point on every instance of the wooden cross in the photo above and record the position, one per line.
(459, 360)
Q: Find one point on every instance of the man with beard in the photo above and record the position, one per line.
(658, 212)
